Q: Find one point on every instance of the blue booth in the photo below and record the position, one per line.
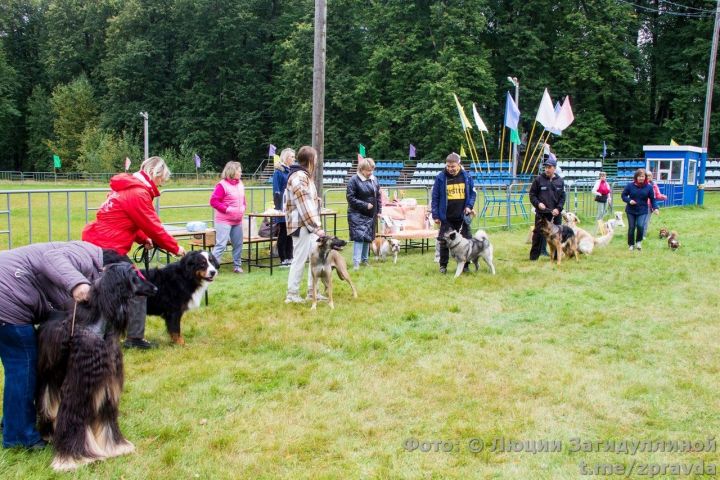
(675, 169)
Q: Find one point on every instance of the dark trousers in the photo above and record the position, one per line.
(458, 225)
(636, 227)
(284, 243)
(137, 312)
(538, 239)
(18, 352)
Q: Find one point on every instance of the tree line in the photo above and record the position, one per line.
(226, 78)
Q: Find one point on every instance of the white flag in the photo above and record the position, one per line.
(546, 113)
(478, 121)
(565, 117)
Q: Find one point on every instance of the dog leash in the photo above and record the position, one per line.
(72, 324)
(141, 254)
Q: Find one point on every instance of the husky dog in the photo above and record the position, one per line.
(466, 251)
(382, 247)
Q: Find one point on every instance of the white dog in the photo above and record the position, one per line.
(382, 247)
(619, 220)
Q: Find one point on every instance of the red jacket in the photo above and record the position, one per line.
(128, 216)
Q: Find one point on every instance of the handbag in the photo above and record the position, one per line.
(601, 198)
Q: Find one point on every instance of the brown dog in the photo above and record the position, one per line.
(664, 233)
(673, 241)
(322, 260)
(560, 239)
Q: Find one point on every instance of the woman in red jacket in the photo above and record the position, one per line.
(128, 216)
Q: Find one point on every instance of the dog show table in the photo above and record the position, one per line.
(268, 261)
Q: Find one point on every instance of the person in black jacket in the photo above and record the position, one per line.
(547, 195)
(279, 179)
(364, 205)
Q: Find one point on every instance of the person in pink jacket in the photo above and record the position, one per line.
(228, 201)
(658, 197)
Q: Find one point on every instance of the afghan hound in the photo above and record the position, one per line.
(80, 371)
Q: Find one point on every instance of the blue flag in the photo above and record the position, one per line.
(604, 150)
(197, 160)
(512, 113)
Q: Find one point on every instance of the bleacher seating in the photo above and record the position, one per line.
(388, 173)
(626, 168)
(425, 173)
(335, 172)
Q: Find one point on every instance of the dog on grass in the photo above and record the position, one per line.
(664, 233)
(673, 241)
(619, 219)
(323, 259)
(80, 371)
(585, 241)
(181, 286)
(469, 250)
(604, 240)
(561, 239)
(382, 247)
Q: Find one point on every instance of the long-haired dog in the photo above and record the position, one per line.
(585, 241)
(181, 286)
(673, 241)
(664, 233)
(619, 219)
(323, 259)
(382, 247)
(80, 371)
(561, 239)
(469, 250)
(605, 239)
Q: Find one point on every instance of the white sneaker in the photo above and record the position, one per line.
(638, 246)
(294, 298)
(632, 247)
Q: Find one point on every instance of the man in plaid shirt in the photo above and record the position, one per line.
(302, 215)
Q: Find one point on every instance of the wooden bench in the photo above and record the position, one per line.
(411, 223)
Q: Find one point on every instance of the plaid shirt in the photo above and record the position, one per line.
(302, 207)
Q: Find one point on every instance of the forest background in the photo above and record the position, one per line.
(226, 78)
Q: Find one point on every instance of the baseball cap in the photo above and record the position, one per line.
(550, 161)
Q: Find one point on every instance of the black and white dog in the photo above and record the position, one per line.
(465, 251)
(80, 371)
(181, 286)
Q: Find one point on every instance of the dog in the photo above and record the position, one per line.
(585, 241)
(664, 233)
(560, 239)
(382, 247)
(673, 241)
(181, 286)
(80, 371)
(323, 259)
(604, 240)
(469, 250)
(619, 220)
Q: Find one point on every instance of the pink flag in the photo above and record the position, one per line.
(127, 163)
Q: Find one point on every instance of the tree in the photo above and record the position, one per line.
(74, 110)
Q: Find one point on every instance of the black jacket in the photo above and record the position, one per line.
(361, 220)
(550, 191)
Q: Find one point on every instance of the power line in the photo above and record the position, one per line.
(669, 12)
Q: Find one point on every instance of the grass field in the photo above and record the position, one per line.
(621, 346)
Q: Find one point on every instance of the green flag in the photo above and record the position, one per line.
(361, 149)
(514, 136)
(56, 161)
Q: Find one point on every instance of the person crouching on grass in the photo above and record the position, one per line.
(453, 198)
(228, 201)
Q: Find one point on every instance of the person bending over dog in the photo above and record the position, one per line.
(547, 195)
(38, 282)
(128, 216)
(302, 215)
(453, 198)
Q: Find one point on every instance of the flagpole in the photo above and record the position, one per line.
(540, 153)
(502, 145)
(532, 156)
(527, 145)
(487, 158)
(471, 147)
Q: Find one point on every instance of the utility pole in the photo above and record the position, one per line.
(708, 105)
(145, 130)
(515, 82)
(318, 111)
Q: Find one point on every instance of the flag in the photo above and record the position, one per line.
(514, 138)
(361, 149)
(462, 151)
(412, 151)
(512, 113)
(127, 163)
(276, 161)
(546, 114)
(461, 112)
(565, 117)
(271, 150)
(56, 161)
(552, 129)
(673, 143)
(604, 150)
(360, 157)
(197, 160)
(478, 121)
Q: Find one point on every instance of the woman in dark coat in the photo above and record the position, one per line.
(364, 205)
(637, 195)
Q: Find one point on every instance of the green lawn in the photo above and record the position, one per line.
(620, 346)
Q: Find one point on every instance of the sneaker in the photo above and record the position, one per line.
(285, 263)
(139, 343)
(238, 270)
(365, 263)
(294, 298)
(638, 246)
(39, 445)
(443, 270)
(632, 247)
(356, 267)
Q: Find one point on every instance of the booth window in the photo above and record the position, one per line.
(667, 170)
(691, 172)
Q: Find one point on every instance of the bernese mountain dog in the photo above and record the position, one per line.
(181, 286)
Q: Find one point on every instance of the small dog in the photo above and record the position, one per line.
(664, 233)
(382, 246)
(619, 220)
(465, 251)
(585, 241)
(560, 239)
(604, 240)
(80, 371)
(673, 241)
(323, 259)
(181, 286)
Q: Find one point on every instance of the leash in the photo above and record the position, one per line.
(141, 254)
(72, 325)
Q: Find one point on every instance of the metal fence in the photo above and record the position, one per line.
(41, 215)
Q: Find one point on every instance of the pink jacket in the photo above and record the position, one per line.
(228, 200)
(658, 196)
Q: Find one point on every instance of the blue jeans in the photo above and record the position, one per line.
(361, 250)
(635, 224)
(234, 234)
(18, 352)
